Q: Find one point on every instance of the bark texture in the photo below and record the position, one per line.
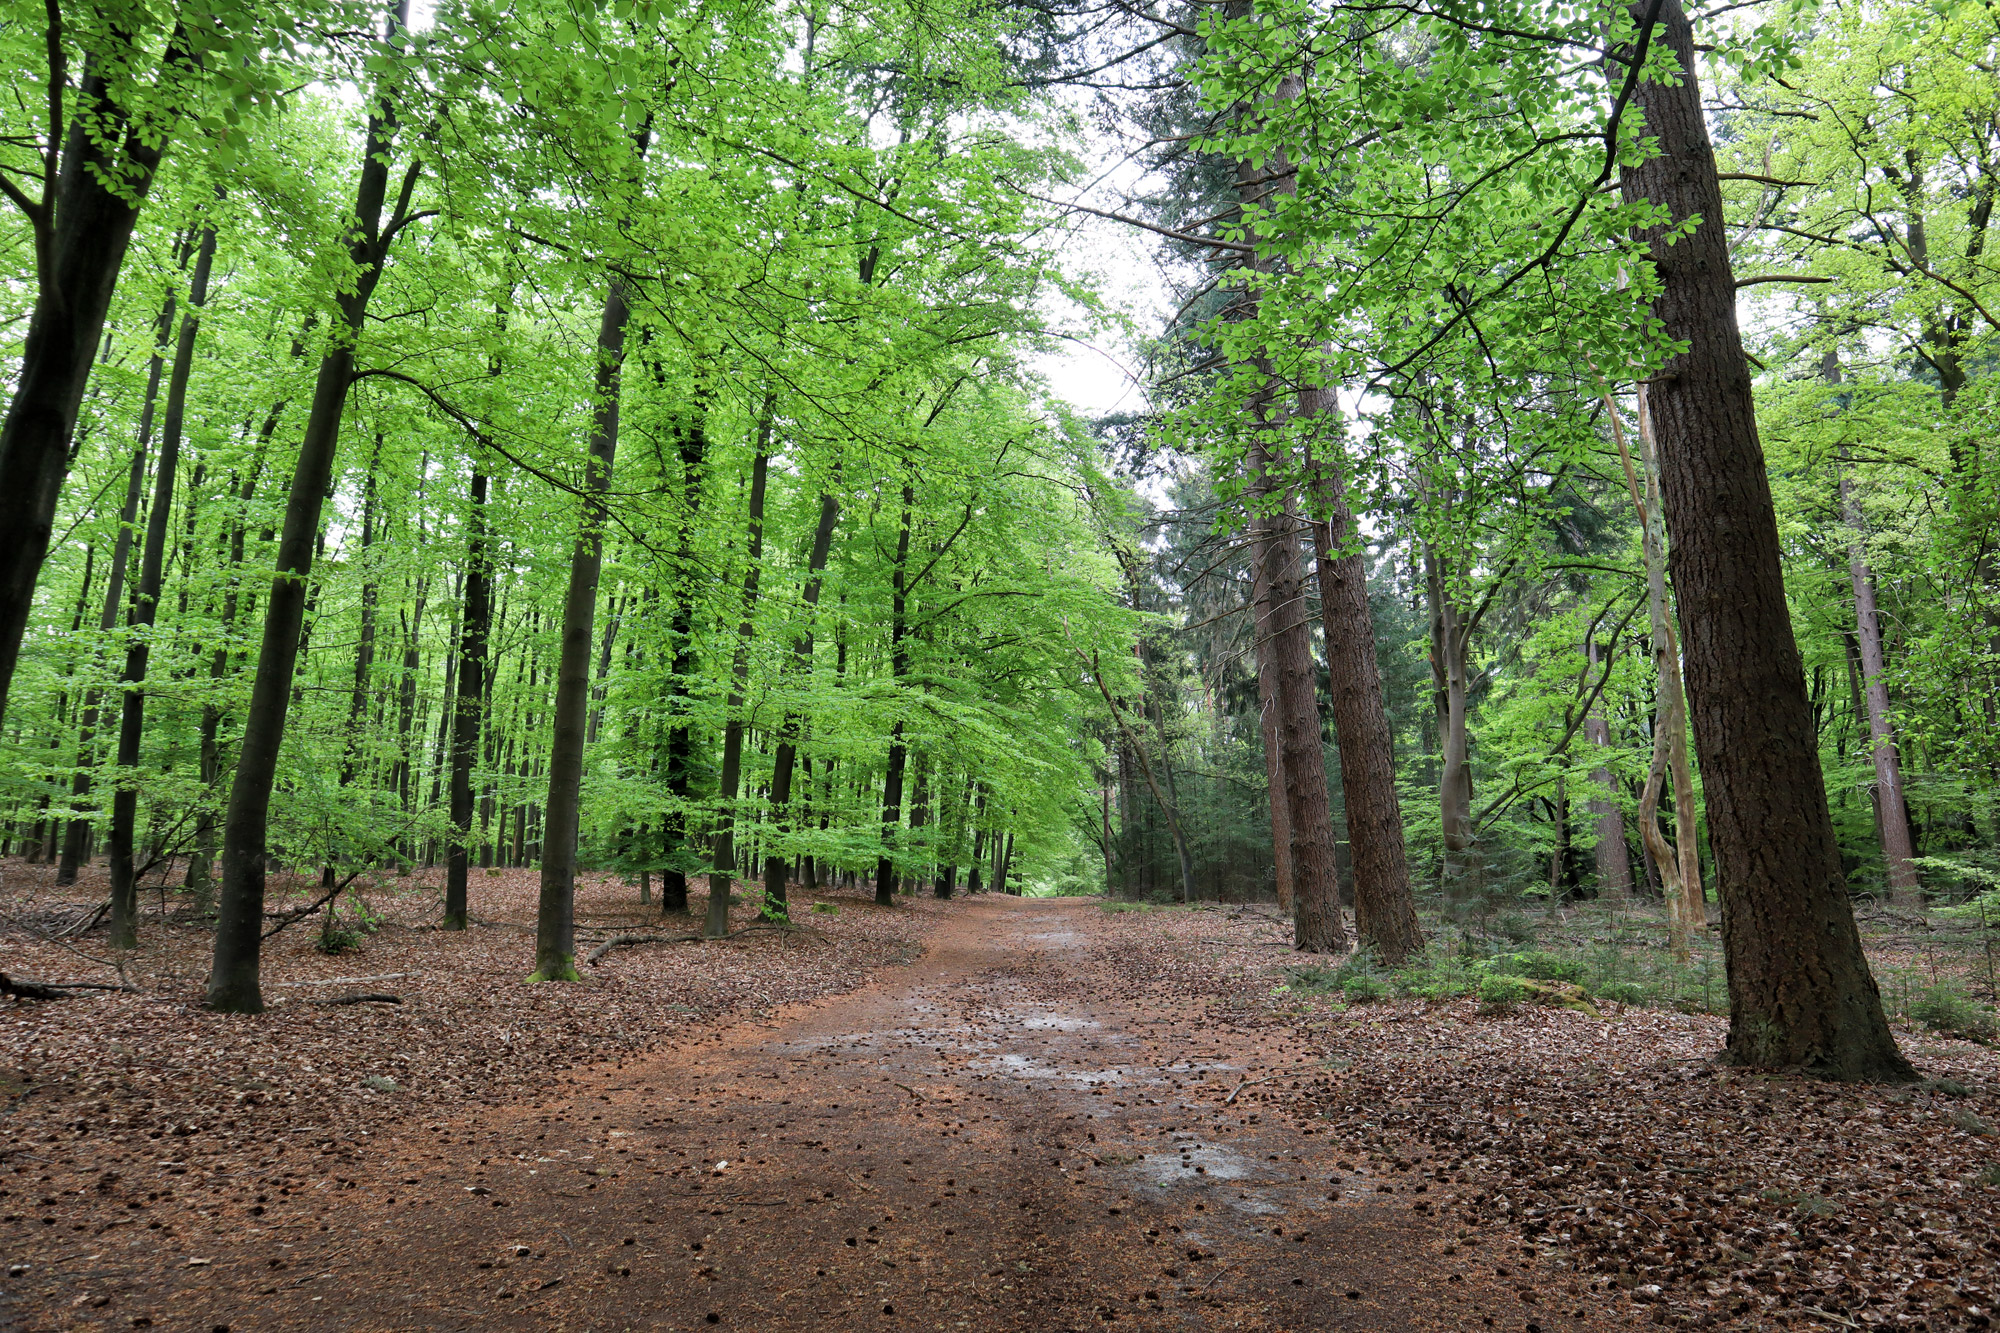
(1800, 991)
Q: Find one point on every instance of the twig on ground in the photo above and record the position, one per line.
(300, 913)
(1247, 1083)
(913, 1092)
(119, 968)
(364, 998)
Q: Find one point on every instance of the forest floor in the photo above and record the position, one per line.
(989, 1114)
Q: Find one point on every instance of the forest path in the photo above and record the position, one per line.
(983, 1140)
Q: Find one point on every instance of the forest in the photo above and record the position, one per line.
(485, 488)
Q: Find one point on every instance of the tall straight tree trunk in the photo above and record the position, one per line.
(786, 757)
(693, 449)
(1895, 817)
(1385, 909)
(972, 884)
(364, 647)
(1449, 670)
(200, 875)
(555, 916)
(899, 667)
(82, 227)
(468, 707)
(1265, 655)
(722, 850)
(1316, 923)
(145, 608)
(1800, 992)
(234, 978)
(78, 829)
(1614, 862)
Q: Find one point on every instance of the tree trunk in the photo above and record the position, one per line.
(1895, 819)
(722, 849)
(145, 607)
(1450, 637)
(1267, 729)
(693, 449)
(468, 707)
(1316, 921)
(1800, 990)
(802, 649)
(555, 915)
(233, 982)
(80, 238)
(1385, 910)
(1614, 864)
(899, 667)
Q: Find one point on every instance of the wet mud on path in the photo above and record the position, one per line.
(983, 1140)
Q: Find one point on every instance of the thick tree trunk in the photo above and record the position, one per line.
(233, 982)
(722, 849)
(1800, 991)
(81, 234)
(786, 758)
(468, 707)
(145, 608)
(1316, 923)
(1265, 655)
(1385, 909)
(555, 916)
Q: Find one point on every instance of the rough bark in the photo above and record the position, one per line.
(693, 450)
(145, 607)
(1385, 909)
(1450, 641)
(1800, 991)
(555, 916)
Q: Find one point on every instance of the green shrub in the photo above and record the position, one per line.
(1499, 993)
(1435, 977)
(1312, 979)
(1540, 965)
(1945, 1008)
(1622, 992)
(1360, 989)
(1514, 927)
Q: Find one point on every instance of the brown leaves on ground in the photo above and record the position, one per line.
(1719, 1198)
(245, 1110)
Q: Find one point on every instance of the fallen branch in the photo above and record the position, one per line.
(300, 913)
(21, 988)
(627, 941)
(364, 998)
(87, 923)
(43, 935)
(913, 1092)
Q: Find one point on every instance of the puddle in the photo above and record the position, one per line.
(1021, 1066)
(1058, 1023)
(1192, 1165)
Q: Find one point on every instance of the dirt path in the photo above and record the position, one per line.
(983, 1140)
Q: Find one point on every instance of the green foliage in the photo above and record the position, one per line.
(1499, 993)
(1946, 1008)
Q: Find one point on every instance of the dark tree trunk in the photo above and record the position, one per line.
(899, 667)
(1800, 992)
(145, 607)
(76, 834)
(82, 229)
(555, 917)
(200, 880)
(233, 981)
(786, 757)
(1385, 911)
(722, 849)
(680, 733)
(468, 708)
